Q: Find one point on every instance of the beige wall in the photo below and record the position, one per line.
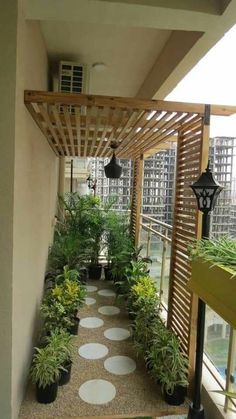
(7, 117)
(28, 189)
(35, 190)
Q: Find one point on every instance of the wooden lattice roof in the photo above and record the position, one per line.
(86, 125)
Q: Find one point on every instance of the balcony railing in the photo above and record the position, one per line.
(155, 236)
(157, 248)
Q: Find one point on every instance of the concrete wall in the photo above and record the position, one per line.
(28, 190)
(7, 123)
(35, 191)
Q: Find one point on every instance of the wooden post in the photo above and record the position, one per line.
(137, 198)
(61, 177)
(61, 186)
(182, 309)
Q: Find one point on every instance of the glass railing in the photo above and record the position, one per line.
(220, 338)
(155, 237)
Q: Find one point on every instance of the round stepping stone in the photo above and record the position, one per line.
(107, 293)
(89, 301)
(97, 391)
(117, 333)
(109, 310)
(91, 322)
(120, 365)
(93, 351)
(91, 288)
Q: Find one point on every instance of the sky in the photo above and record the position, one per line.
(213, 80)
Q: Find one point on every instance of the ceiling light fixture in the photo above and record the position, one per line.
(99, 66)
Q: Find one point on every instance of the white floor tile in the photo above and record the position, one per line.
(91, 322)
(97, 391)
(120, 365)
(117, 333)
(93, 351)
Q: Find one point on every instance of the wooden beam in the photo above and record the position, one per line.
(33, 96)
(35, 116)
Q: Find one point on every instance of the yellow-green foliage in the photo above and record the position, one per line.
(144, 294)
(145, 288)
(70, 294)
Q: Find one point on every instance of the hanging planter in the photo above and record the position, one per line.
(216, 286)
(113, 169)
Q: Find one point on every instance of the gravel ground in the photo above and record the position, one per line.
(136, 393)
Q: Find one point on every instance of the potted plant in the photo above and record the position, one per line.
(213, 276)
(55, 315)
(117, 240)
(66, 250)
(61, 342)
(143, 296)
(71, 294)
(95, 232)
(67, 274)
(45, 373)
(60, 306)
(169, 366)
(144, 328)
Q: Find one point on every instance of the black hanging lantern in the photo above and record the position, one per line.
(206, 190)
(113, 169)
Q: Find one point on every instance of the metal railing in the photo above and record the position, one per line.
(164, 232)
(157, 228)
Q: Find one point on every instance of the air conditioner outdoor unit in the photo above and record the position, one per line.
(73, 77)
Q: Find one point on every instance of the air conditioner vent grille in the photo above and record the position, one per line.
(73, 78)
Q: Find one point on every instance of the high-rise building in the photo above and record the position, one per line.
(159, 183)
(109, 188)
(222, 150)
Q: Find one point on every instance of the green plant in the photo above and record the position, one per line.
(117, 237)
(68, 274)
(137, 269)
(46, 367)
(55, 315)
(230, 394)
(60, 343)
(76, 210)
(66, 250)
(144, 328)
(70, 294)
(96, 225)
(132, 271)
(168, 362)
(220, 251)
(144, 296)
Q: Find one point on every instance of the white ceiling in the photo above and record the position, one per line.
(129, 53)
(148, 46)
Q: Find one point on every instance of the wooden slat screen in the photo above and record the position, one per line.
(136, 198)
(192, 155)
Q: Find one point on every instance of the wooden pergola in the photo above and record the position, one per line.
(86, 125)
